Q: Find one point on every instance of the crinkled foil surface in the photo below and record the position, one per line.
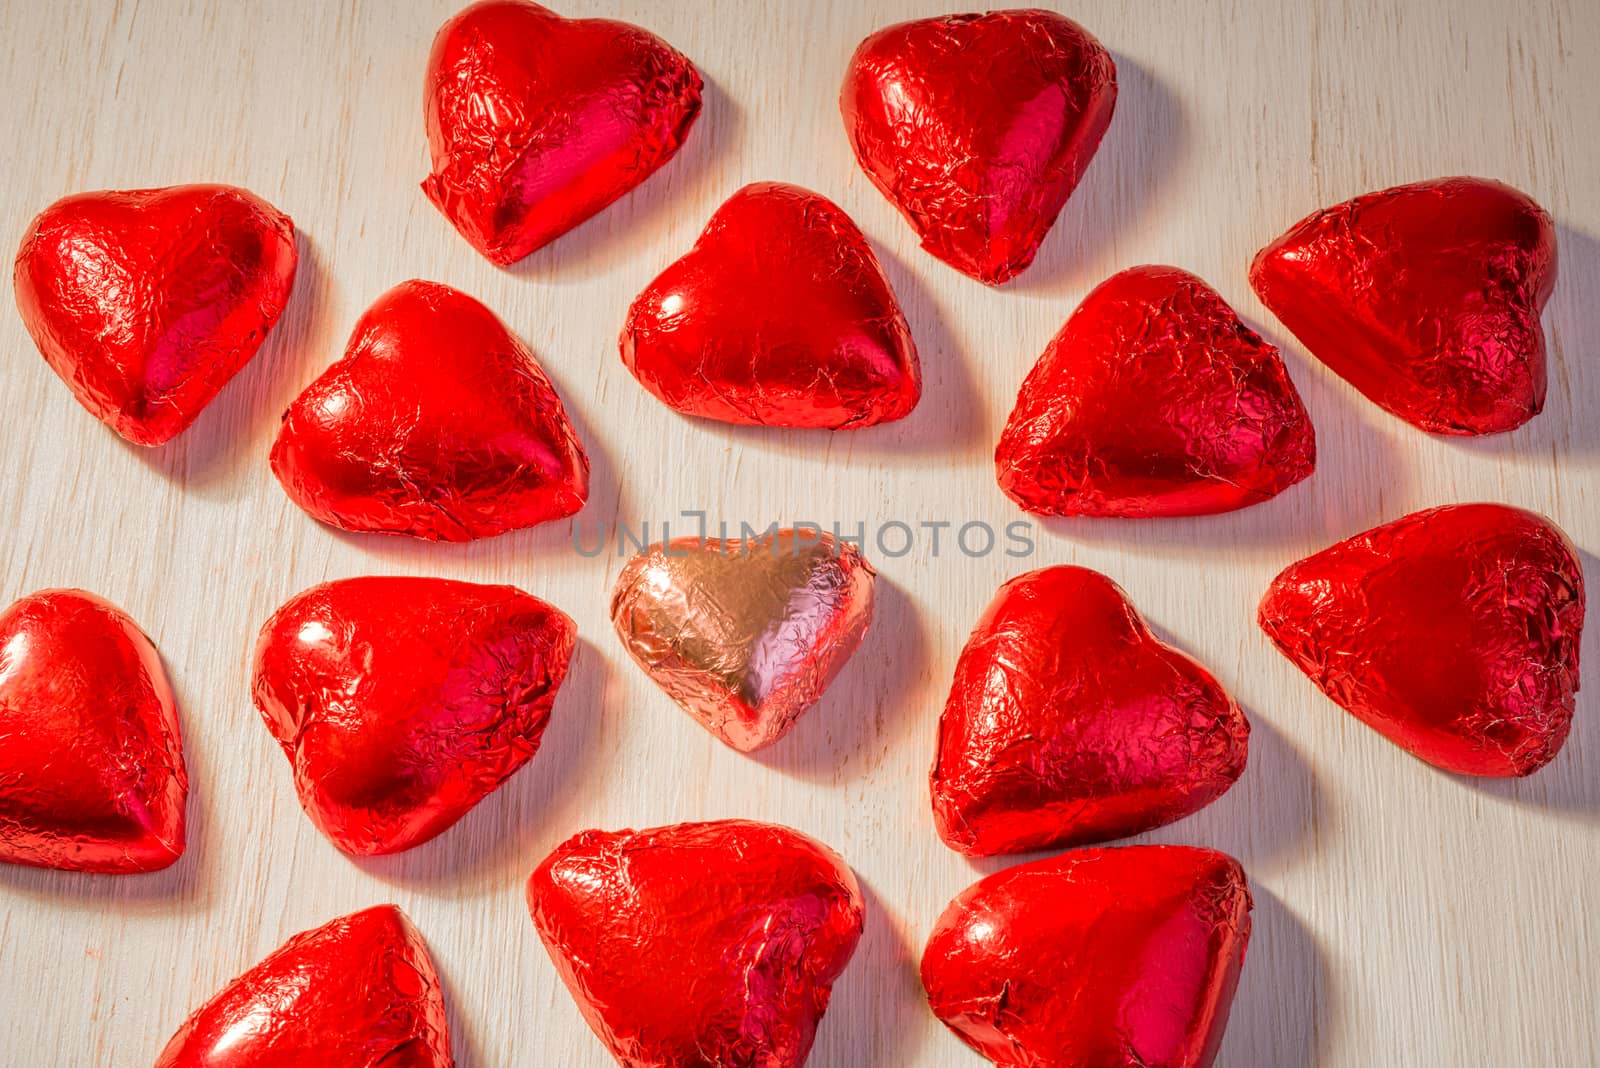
(699, 943)
(779, 316)
(536, 122)
(1454, 632)
(1154, 400)
(1115, 958)
(91, 773)
(403, 702)
(1425, 297)
(744, 634)
(147, 301)
(437, 423)
(357, 992)
(978, 128)
(1069, 722)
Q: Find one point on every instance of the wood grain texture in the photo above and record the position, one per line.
(1404, 917)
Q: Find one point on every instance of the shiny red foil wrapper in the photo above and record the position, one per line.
(1154, 400)
(91, 761)
(403, 702)
(359, 991)
(1425, 297)
(699, 943)
(978, 128)
(147, 301)
(1453, 632)
(536, 122)
(1069, 722)
(744, 634)
(1115, 958)
(779, 316)
(438, 423)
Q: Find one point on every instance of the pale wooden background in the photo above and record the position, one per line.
(1404, 917)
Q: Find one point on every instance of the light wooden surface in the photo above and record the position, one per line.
(1404, 917)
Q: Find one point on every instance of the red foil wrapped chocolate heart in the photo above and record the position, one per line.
(357, 992)
(1069, 722)
(1154, 400)
(146, 302)
(1425, 297)
(744, 634)
(978, 128)
(403, 702)
(437, 423)
(1453, 632)
(536, 122)
(1116, 958)
(700, 943)
(91, 762)
(779, 316)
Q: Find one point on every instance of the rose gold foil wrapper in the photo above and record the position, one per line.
(745, 634)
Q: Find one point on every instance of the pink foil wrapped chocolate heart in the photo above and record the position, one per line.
(744, 634)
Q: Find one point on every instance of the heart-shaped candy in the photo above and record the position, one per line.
(357, 992)
(1425, 297)
(1070, 722)
(779, 316)
(744, 633)
(91, 762)
(403, 702)
(536, 122)
(437, 423)
(146, 302)
(978, 128)
(1453, 632)
(1111, 958)
(1154, 400)
(700, 943)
